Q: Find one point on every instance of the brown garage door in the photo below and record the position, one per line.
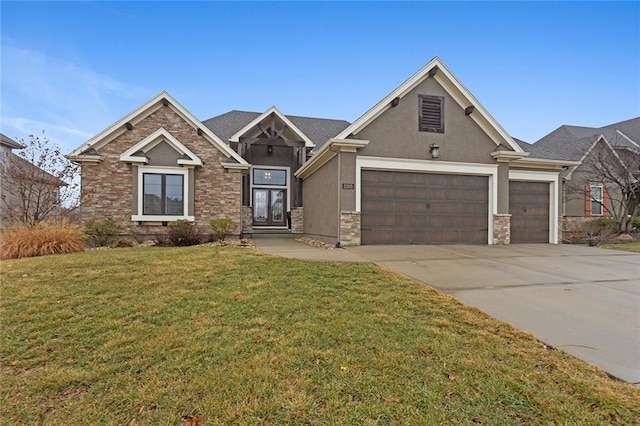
(423, 208)
(529, 208)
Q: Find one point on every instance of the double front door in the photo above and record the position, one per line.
(269, 207)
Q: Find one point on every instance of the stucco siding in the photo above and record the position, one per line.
(321, 205)
(395, 132)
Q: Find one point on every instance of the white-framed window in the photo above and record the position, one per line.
(163, 194)
(596, 193)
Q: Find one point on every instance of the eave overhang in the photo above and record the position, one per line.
(327, 152)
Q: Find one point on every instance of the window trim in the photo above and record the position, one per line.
(592, 200)
(140, 216)
(424, 128)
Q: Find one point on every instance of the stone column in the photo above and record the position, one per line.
(247, 220)
(349, 228)
(297, 220)
(501, 229)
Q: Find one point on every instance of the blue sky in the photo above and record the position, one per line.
(72, 69)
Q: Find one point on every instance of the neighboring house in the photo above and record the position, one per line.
(608, 159)
(427, 164)
(24, 186)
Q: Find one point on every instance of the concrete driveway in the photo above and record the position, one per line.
(583, 300)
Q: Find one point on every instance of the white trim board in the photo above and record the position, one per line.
(236, 137)
(148, 143)
(427, 166)
(554, 187)
(454, 88)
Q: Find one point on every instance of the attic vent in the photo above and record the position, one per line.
(431, 113)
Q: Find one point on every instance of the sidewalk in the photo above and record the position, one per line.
(287, 246)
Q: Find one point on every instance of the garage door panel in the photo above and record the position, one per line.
(427, 208)
(529, 208)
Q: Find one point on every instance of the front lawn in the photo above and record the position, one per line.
(635, 247)
(145, 336)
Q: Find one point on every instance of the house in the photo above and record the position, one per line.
(425, 165)
(26, 191)
(608, 160)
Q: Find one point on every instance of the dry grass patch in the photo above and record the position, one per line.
(238, 337)
(634, 247)
(40, 240)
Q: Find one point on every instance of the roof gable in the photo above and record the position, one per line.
(318, 130)
(437, 70)
(162, 99)
(271, 112)
(136, 154)
(7, 141)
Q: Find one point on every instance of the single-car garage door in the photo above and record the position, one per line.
(423, 208)
(529, 208)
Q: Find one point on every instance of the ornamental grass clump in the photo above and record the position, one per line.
(41, 239)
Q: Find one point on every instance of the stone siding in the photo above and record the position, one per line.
(247, 220)
(501, 229)
(297, 220)
(108, 186)
(349, 228)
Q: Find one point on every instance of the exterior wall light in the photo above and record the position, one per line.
(434, 149)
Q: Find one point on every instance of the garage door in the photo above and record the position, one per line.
(529, 208)
(423, 208)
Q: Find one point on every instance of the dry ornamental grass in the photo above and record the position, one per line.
(40, 240)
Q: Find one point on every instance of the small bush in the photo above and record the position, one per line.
(598, 231)
(221, 227)
(184, 233)
(101, 233)
(42, 239)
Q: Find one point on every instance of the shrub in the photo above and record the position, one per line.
(101, 233)
(41, 239)
(183, 233)
(221, 227)
(597, 231)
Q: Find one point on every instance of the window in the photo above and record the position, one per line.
(269, 177)
(596, 200)
(431, 113)
(163, 194)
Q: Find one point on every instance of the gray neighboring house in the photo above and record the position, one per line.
(10, 198)
(427, 164)
(587, 194)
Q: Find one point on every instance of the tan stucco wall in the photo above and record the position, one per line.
(110, 184)
(395, 132)
(321, 206)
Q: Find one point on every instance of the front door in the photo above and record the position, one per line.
(268, 207)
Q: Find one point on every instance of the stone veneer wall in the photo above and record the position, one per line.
(501, 229)
(247, 220)
(569, 228)
(349, 228)
(297, 220)
(108, 187)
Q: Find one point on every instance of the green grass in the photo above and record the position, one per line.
(151, 334)
(634, 247)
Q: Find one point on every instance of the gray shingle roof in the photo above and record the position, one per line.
(319, 130)
(572, 142)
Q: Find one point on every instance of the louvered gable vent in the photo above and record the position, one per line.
(431, 111)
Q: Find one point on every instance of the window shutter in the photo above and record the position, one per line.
(587, 200)
(431, 113)
(605, 202)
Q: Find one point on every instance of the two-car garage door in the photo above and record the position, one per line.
(423, 208)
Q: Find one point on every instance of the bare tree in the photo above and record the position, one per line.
(617, 168)
(38, 182)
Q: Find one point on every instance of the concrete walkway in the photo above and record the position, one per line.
(583, 300)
